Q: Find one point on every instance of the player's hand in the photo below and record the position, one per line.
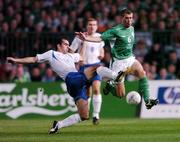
(81, 35)
(11, 59)
(81, 63)
(100, 57)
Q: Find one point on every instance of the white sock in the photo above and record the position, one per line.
(71, 120)
(97, 101)
(89, 103)
(105, 72)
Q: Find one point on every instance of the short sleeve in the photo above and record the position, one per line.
(102, 44)
(109, 34)
(45, 57)
(75, 44)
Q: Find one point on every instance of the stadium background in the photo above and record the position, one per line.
(28, 27)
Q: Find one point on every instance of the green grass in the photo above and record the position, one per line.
(110, 130)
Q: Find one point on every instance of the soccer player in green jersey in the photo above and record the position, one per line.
(123, 60)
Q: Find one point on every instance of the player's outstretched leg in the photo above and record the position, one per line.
(95, 121)
(151, 103)
(144, 91)
(54, 128)
(110, 85)
(110, 88)
(107, 88)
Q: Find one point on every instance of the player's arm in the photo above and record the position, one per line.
(82, 56)
(78, 59)
(83, 51)
(75, 44)
(101, 55)
(81, 59)
(25, 60)
(84, 37)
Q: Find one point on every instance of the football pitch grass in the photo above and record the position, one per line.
(109, 130)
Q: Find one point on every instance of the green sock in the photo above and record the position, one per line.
(144, 88)
(113, 90)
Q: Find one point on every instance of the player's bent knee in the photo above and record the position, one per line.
(142, 74)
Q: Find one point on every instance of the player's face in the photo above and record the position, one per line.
(64, 47)
(92, 27)
(127, 20)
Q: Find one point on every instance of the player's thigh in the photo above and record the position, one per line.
(90, 71)
(122, 65)
(89, 91)
(82, 106)
(137, 69)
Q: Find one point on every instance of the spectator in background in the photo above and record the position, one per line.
(64, 23)
(172, 59)
(24, 16)
(155, 55)
(176, 38)
(3, 40)
(35, 75)
(42, 67)
(21, 75)
(163, 75)
(105, 10)
(49, 76)
(153, 72)
(7, 72)
(152, 20)
(144, 35)
(142, 18)
(29, 24)
(79, 25)
(161, 35)
(140, 50)
(171, 68)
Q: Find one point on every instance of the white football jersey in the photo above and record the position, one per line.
(93, 49)
(60, 63)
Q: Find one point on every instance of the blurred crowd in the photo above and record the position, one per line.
(28, 27)
(71, 15)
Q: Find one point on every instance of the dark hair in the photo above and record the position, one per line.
(125, 11)
(60, 39)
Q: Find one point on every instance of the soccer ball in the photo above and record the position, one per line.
(133, 97)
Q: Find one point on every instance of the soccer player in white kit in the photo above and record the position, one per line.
(63, 63)
(92, 53)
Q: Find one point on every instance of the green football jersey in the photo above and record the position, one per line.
(124, 41)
